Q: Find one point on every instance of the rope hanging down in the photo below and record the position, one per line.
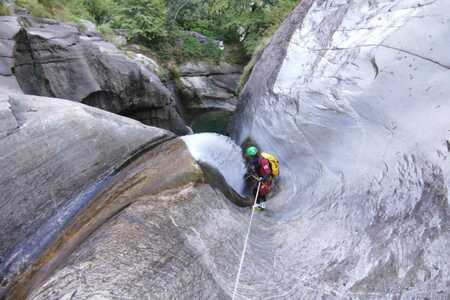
(245, 244)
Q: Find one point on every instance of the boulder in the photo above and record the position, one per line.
(57, 60)
(199, 68)
(207, 88)
(53, 150)
(89, 28)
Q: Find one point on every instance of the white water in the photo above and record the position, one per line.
(221, 153)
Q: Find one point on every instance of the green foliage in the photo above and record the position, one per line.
(191, 48)
(145, 20)
(236, 54)
(251, 64)
(4, 9)
(35, 8)
(240, 22)
(101, 11)
(106, 31)
(161, 24)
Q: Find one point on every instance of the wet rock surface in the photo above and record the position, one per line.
(150, 250)
(355, 103)
(51, 151)
(48, 58)
(357, 111)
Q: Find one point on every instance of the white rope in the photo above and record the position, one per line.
(245, 244)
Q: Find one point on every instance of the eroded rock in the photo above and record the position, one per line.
(55, 59)
(208, 88)
(53, 150)
(361, 129)
(352, 96)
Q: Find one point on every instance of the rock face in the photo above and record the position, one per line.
(9, 27)
(352, 96)
(208, 88)
(148, 228)
(154, 249)
(51, 151)
(356, 109)
(55, 59)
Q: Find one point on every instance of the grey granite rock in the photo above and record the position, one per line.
(353, 97)
(53, 59)
(154, 249)
(9, 27)
(207, 88)
(89, 28)
(357, 110)
(51, 151)
(200, 68)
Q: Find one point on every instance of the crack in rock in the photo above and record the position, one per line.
(384, 46)
(375, 66)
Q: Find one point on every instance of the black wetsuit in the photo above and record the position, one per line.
(252, 170)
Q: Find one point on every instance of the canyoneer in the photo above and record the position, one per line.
(262, 167)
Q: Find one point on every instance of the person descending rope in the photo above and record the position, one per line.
(261, 167)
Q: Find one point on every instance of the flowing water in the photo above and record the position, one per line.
(221, 153)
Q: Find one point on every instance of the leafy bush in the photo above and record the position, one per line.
(191, 48)
(145, 20)
(101, 11)
(106, 31)
(35, 8)
(158, 24)
(4, 9)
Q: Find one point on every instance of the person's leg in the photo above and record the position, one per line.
(262, 201)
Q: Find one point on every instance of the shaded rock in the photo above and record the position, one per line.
(206, 93)
(51, 151)
(206, 88)
(205, 69)
(56, 60)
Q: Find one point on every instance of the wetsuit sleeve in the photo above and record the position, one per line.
(252, 167)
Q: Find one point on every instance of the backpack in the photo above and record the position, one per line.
(274, 164)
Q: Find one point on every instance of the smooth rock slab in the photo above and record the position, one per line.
(51, 151)
(151, 250)
(353, 98)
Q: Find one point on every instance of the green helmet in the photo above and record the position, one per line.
(251, 151)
